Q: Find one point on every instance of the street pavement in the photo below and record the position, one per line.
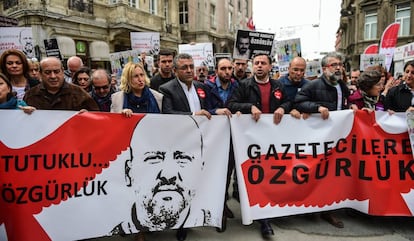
(358, 227)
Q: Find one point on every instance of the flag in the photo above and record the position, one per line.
(371, 49)
(388, 42)
(250, 24)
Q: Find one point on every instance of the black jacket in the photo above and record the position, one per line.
(175, 101)
(248, 94)
(398, 98)
(319, 93)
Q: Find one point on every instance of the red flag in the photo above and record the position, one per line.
(250, 24)
(371, 49)
(388, 43)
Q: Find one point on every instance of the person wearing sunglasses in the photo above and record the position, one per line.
(101, 89)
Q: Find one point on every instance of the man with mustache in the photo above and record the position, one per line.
(158, 171)
(327, 93)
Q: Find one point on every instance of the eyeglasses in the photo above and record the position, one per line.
(335, 65)
(101, 87)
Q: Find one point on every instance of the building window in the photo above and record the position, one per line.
(370, 31)
(133, 3)
(166, 10)
(247, 7)
(113, 1)
(239, 5)
(213, 16)
(183, 11)
(81, 5)
(9, 4)
(402, 16)
(153, 6)
(230, 22)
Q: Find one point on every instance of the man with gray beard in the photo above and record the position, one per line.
(327, 93)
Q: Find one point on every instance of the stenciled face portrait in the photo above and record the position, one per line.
(155, 43)
(161, 169)
(26, 40)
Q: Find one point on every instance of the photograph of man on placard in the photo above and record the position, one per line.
(242, 45)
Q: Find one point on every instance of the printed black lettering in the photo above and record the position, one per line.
(286, 152)
(278, 174)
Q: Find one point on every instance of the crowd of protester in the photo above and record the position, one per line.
(29, 85)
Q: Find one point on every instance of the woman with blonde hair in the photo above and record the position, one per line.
(135, 96)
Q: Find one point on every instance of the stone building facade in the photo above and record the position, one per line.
(363, 22)
(92, 29)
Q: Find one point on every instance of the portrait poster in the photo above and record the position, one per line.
(55, 180)
(367, 60)
(202, 53)
(356, 160)
(286, 50)
(249, 43)
(20, 38)
(313, 68)
(120, 59)
(147, 42)
(52, 48)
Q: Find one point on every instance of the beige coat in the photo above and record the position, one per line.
(118, 100)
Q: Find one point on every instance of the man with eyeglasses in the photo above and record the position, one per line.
(184, 96)
(101, 89)
(327, 93)
(54, 93)
(202, 73)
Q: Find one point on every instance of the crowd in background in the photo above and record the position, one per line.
(179, 87)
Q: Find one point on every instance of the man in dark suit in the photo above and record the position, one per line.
(182, 95)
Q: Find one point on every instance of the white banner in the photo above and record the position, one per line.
(148, 42)
(360, 161)
(87, 175)
(367, 60)
(202, 53)
(20, 38)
